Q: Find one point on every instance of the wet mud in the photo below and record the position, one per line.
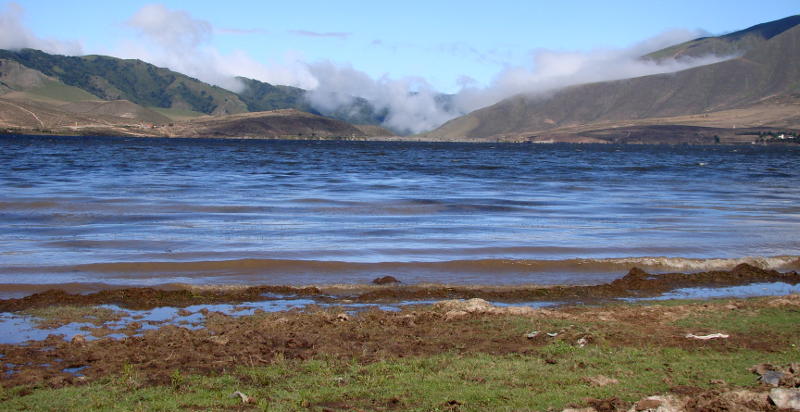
(224, 343)
(635, 284)
(221, 342)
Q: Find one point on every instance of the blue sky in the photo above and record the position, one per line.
(441, 41)
(399, 55)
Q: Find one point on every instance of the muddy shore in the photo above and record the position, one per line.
(221, 342)
(635, 284)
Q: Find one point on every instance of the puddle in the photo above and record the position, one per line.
(75, 371)
(535, 305)
(746, 291)
(17, 329)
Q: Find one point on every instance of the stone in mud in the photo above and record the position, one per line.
(600, 381)
(219, 340)
(386, 280)
(772, 378)
(469, 305)
(245, 399)
(455, 314)
(785, 398)
(514, 310)
(477, 305)
(658, 404)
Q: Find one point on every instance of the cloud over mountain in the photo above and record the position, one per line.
(14, 35)
(177, 40)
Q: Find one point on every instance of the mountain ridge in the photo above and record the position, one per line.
(763, 72)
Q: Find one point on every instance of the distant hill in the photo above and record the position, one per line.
(109, 78)
(286, 123)
(90, 93)
(727, 45)
(767, 72)
(261, 96)
(172, 94)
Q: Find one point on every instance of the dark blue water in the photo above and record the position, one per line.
(88, 212)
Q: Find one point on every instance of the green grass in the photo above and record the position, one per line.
(551, 376)
(54, 316)
(176, 114)
(477, 382)
(761, 321)
(59, 91)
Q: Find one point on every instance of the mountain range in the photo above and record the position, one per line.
(754, 91)
(757, 88)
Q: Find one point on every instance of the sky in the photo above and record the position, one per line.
(391, 52)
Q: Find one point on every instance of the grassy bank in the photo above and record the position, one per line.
(608, 356)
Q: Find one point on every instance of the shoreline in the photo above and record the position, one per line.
(609, 136)
(634, 285)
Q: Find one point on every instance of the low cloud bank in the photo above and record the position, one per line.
(14, 35)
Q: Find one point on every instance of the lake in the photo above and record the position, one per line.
(86, 213)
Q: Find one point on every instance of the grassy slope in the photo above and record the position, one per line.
(58, 91)
(142, 83)
(550, 376)
(762, 73)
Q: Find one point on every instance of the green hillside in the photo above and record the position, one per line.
(170, 93)
(110, 78)
(261, 96)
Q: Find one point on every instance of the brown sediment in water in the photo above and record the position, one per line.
(636, 283)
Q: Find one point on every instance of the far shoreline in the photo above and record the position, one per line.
(651, 135)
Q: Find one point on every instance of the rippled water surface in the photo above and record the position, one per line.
(84, 213)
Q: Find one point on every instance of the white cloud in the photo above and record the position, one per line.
(411, 101)
(14, 35)
(178, 41)
(175, 39)
(551, 70)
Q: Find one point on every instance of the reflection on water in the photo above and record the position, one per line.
(77, 210)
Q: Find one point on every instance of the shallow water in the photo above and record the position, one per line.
(17, 328)
(85, 213)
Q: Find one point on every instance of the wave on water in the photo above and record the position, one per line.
(21, 281)
(497, 266)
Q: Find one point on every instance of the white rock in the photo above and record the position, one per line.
(658, 404)
(455, 314)
(708, 337)
(785, 398)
